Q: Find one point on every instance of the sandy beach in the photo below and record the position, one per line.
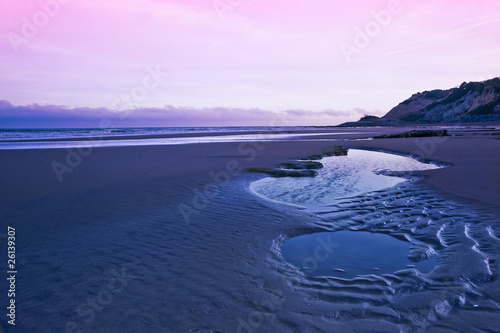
(170, 239)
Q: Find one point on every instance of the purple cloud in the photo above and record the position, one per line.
(36, 116)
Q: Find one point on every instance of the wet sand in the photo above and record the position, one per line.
(168, 238)
(29, 173)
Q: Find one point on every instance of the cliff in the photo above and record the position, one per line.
(471, 102)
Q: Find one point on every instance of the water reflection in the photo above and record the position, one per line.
(347, 254)
(342, 176)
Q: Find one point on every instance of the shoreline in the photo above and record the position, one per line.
(286, 130)
(29, 172)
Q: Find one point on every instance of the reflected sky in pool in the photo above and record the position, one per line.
(347, 254)
(342, 176)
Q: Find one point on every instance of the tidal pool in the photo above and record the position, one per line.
(347, 254)
(342, 176)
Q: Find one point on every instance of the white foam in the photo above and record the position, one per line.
(98, 142)
(439, 235)
(475, 248)
(491, 232)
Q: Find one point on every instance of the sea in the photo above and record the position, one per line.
(62, 133)
(110, 137)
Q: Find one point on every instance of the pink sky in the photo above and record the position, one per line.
(268, 54)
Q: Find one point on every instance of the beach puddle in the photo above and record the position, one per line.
(405, 254)
(348, 254)
(359, 172)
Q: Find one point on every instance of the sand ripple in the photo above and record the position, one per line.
(224, 272)
(462, 286)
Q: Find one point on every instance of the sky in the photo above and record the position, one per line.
(237, 62)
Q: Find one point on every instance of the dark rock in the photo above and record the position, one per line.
(302, 168)
(414, 134)
(337, 151)
(298, 165)
(281, 173)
